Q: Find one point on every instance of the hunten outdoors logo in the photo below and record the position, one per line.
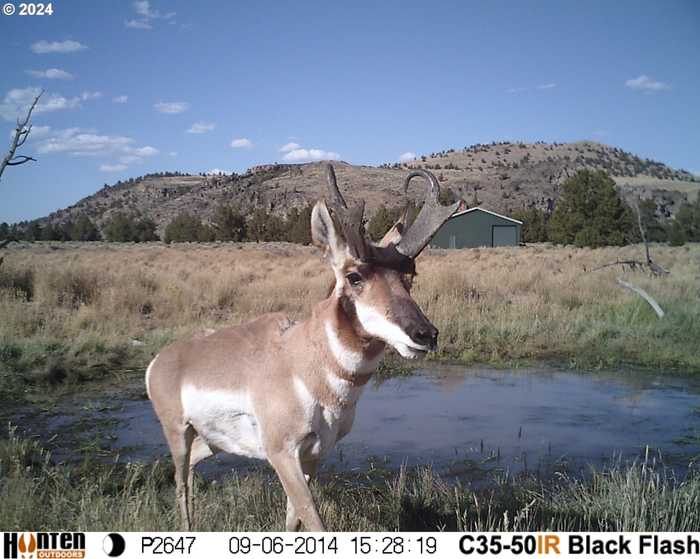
(43, 545)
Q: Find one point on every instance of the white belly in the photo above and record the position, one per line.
(224, 419)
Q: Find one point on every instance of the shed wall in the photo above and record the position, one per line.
(469, 230)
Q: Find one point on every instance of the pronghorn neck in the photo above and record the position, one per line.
(355, 354)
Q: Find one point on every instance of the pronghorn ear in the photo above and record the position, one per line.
(393, 235)
(326, 236)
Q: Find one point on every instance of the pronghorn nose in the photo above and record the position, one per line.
(426, 335)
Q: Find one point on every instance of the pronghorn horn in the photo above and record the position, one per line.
(336, 196)
(348, 220)
(431, 217)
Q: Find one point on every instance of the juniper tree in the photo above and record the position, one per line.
(591, 213)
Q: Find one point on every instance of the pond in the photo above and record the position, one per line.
(465, 422)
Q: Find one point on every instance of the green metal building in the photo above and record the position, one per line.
(477, 227)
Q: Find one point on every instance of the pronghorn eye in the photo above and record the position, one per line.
(354, 279)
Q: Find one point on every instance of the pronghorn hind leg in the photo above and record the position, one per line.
(180, 442)
(293, 522)
(291, 474)
(199, 451)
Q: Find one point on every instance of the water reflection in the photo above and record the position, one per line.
(461, 420)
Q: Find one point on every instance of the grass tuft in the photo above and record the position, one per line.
(39, 495)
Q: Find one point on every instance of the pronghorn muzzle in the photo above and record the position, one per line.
(417, 327)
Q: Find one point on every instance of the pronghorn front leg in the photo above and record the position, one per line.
(299, 499)
(293, 521)
(199, 451)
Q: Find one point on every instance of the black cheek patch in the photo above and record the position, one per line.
(348, 306)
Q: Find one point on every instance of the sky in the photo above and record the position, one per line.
(139, 87)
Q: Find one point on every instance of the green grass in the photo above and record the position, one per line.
(39, 495)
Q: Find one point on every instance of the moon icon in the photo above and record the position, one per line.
(113, 545)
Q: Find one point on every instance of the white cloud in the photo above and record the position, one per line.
(146, 151)
(217, 171)
(121, 99)
(549, 85)
(39, 132)
(112, 168)
(171, 108)
(146, 14)
(173, 154)
(17, 101)
(143, 8)
(241, 143)
(406, 157)
(645, 83)
(76, 141)
(201, 127)
(56, 102)
(129, 159)
(44, 47)
(134, 155)
(291, 146)
(51, 74)
(90, 95)
(86, 142)
(314, 154)
(138, 24)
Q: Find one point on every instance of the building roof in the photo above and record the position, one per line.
(487, 211)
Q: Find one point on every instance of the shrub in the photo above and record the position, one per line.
(299, 225)
(655, 231)
(124, 228)
(186, 228)
(382, 221)
(688, 218)
(21, 281)
(676, 234)
(534, 224)
(84, 230)
(228, 224)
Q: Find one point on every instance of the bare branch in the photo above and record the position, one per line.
(649, 264)
(24, 159)
(642, 232)
(653, 266)
(24, 123)
(633, 264)
(20, 136)
(644, 295)
(23, 135)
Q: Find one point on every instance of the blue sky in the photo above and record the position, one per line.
(138, 87)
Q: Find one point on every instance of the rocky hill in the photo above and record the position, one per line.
(500, 176)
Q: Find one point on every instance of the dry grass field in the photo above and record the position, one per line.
(80, 311)
(76, 312)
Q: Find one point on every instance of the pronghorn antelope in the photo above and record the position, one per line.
(286, 391)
